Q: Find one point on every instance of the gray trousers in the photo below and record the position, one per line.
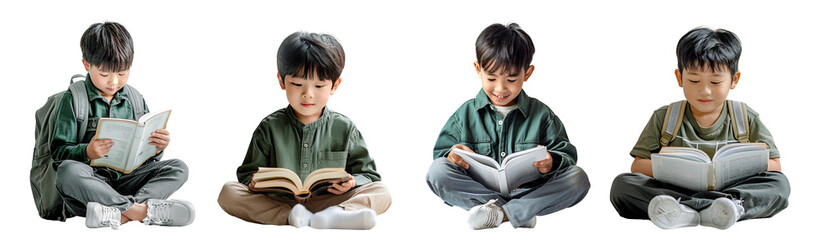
(564, 189)
(763, 195)
(78, 184)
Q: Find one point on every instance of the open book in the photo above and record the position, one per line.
(515, 170)
(285, 180)
(131, 140)
(693, 169)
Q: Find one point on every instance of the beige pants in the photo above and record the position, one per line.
(238, 201)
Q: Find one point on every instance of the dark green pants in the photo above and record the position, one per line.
(763, 195)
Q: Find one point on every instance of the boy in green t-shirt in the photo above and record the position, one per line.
(707, 71)
(306, 136)
(500, 121)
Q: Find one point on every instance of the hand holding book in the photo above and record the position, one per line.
(456, 159)
(160, 139)
(341, 186)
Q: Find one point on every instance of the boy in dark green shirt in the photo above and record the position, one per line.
(107, 197)
(499, 121)
(707, 61)
(304, 137)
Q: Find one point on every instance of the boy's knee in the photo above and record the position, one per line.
(229, 194)
(178, 165)
(621, 186)
(69, 170)
(578, 177)
(439, 171)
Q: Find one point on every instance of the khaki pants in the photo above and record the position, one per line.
(238, 201)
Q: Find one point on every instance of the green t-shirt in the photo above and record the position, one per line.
(707, 139)
(332, 141)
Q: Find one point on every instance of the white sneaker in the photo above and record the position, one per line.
(487, 215)
(722, 213)
(169, 212)
(99, 215)
(530, 223)
(667, 213)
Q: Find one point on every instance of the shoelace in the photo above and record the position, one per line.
(738, 204)
(490, 208)
(110, 217)
(158, 213)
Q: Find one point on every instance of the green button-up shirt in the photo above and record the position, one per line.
(477, 125)
(64, 145)
(332, 141)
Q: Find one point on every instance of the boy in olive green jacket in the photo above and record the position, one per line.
(304, 137)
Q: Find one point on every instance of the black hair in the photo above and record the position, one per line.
(704, 46)
(507, 47)
(108, 45)
(304, 54)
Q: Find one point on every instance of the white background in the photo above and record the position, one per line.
(603, 67)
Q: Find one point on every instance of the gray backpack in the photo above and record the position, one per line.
(42, 174)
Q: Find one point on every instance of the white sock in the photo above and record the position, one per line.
(299, 216)
(337, 218)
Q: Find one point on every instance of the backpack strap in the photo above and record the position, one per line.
(136, 101)
(80, 105)
(739, 120)
(672, 122)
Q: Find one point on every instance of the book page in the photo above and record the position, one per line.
(266, 174)
(121, 131)
(680, 172)
(482, 169)
(738, 166)
(322, 175)
(738, 148)
(686, 153)
(518, 167)
(474, 158)
(146, 150)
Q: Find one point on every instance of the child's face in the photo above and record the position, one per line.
(705, 89)
(308, 96)
(108, 83)
(502, 89)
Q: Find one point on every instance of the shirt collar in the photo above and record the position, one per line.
(522, 102)
(93, 92)
(297, 123)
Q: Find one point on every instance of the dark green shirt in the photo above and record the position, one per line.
(332, 141)
(64, 145)
(477, 125)
(707, 139)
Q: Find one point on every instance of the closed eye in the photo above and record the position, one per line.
(296, 84)
(511, 80)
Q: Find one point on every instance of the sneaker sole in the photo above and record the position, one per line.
(666, 213)
(720, 214)
(191, 211)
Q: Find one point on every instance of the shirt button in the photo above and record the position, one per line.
(503, 154)
(306, 145)
(305, 165)
(500, 122)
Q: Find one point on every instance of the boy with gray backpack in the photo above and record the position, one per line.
(705, 120)
(64, 184)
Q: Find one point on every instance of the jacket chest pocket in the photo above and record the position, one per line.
(483, 148)
(332, 159)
